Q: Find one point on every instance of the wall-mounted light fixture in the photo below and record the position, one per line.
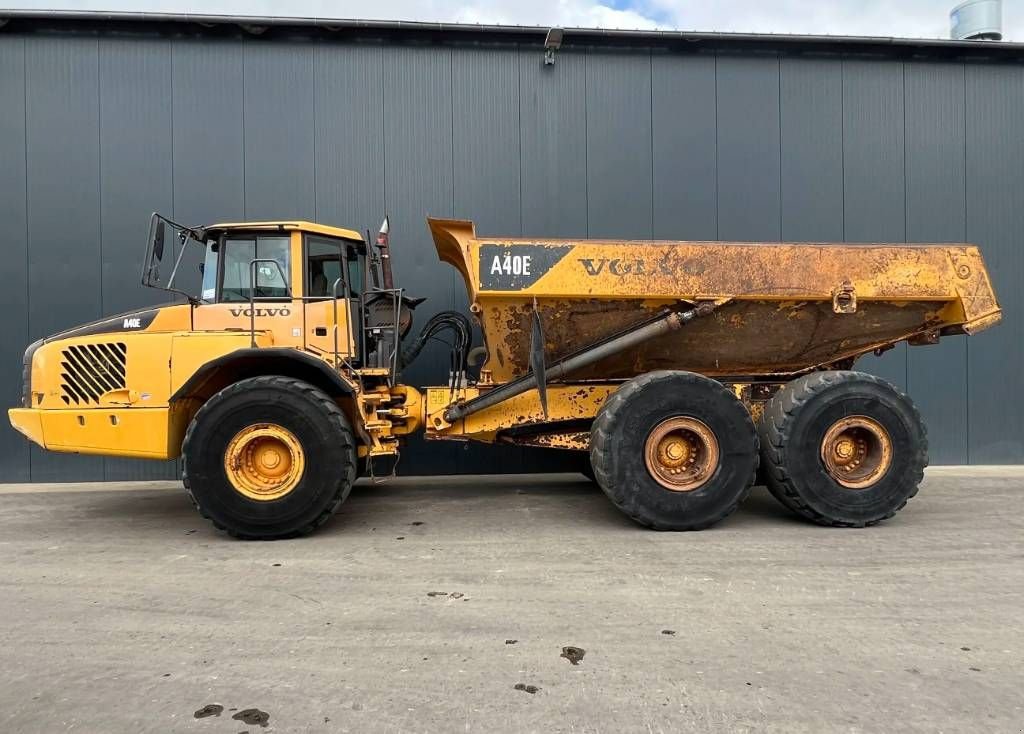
(552, 42)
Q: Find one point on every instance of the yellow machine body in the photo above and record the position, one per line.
(130, 385)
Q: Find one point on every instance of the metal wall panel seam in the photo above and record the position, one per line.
(245, 189)
(588, 67)
(966, 341)
(778, 92)
(903, 66)
(650, 72)
(718, 163)
(28, 289)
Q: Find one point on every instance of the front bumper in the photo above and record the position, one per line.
(145, 433)
(27, 422)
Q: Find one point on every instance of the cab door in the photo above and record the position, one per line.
(328, 293)
(269, 302)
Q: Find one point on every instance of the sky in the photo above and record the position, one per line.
(908, 18)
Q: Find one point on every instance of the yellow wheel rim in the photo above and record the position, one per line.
(856, 451)
(681, 454)
(264, 462)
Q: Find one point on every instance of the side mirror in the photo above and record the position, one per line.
(158, 241)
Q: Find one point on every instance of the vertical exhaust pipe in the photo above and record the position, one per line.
(384, 248)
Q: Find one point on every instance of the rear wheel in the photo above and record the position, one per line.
(843, 448)
(674, 450)
(269, 457)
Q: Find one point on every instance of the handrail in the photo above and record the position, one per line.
(348, 330)
(253, 297)
(334, 297)
(393, 327)
(396, 309)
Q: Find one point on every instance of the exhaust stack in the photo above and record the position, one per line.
(384, 246)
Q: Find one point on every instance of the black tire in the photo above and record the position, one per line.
(313, 418)
(619, 436)
(797, 419)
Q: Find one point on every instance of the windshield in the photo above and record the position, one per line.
(235, 273)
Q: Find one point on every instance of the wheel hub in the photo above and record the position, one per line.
(844, 450)
(856, 451)
(681, 454)
(673, 451)
(264, 461)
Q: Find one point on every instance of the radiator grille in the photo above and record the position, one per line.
(89, 370)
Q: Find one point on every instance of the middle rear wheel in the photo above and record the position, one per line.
(674, 450)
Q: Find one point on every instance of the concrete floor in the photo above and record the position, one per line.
(121, 610)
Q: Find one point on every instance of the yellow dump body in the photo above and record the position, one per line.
(791, 307)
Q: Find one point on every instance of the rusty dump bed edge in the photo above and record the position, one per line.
(792, 306)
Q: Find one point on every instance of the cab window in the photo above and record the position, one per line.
(209, 271)
(236, 258)
(328, 259)
(355, 271)
(323, 267)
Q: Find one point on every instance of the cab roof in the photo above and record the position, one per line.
(288, 225)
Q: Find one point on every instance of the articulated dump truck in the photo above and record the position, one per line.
(679, 372)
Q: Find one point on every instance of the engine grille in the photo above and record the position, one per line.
(89, 370)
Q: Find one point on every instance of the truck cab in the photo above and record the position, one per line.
(298, 282)
(287, 298)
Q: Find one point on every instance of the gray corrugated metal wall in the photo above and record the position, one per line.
(98, 130)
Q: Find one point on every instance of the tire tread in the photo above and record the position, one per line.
(333, 413)
(777, 421)
(600, 452)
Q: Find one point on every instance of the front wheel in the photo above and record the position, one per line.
(269, 457)
(674, 450)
